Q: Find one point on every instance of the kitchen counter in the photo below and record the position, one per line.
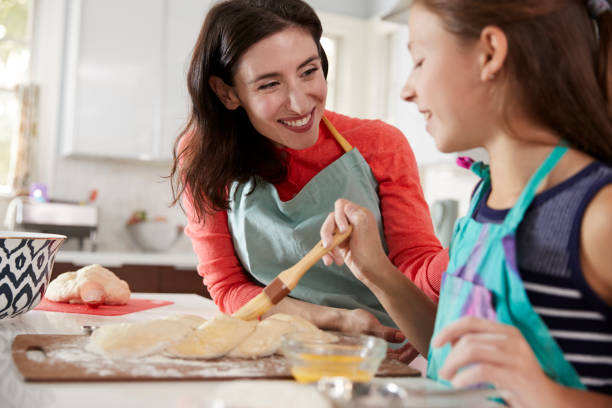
(186, 260)
(14, 392)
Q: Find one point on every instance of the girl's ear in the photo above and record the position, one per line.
(494, 50)
(226, 94)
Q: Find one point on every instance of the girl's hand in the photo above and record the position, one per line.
(363, 250)
(494, 353)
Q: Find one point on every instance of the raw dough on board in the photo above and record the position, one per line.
(189, 336)
(143, 338)
(265, 340)
(213, 339)
(267, 337)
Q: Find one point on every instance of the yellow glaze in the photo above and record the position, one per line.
(317, 366)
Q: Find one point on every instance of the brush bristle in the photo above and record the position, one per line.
(257, 306)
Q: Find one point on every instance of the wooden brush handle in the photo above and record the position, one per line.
(291, 276)
(280, 286)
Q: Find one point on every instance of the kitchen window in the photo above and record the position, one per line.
(330, 45)
(17, 96)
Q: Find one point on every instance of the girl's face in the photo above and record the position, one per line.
(280, 84)
(445, 83)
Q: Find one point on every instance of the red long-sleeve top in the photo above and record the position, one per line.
(413, 246)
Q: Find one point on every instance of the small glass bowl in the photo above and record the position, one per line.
(356, 357)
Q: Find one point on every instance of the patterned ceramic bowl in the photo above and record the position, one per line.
(26, 261)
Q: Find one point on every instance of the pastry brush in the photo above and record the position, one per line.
(287, 280)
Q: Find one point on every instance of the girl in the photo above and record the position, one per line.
(261, 163)
(525, 304)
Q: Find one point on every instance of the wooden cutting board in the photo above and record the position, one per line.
(42, 357)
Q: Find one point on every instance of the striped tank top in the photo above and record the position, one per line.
(549, 263)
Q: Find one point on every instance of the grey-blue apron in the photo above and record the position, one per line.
(271, 235)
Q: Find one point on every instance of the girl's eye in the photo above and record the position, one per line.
(268, 85)
(418, 64)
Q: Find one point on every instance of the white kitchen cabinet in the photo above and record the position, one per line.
(125, 91)
(184, 19)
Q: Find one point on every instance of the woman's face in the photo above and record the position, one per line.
(445, 83)
(280, 84)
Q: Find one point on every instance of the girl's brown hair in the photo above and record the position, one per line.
(558, 58)
(219, 146)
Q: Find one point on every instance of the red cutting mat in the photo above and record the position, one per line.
(133, 305)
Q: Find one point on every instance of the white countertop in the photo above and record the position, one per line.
(14, 392)
(186, 260)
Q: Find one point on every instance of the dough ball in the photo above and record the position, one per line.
(92, 284)
(213, 339)
(143, 338)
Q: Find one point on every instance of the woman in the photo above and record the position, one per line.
(526, 302)
(261, 163)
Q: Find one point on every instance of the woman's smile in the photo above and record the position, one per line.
(300, 124)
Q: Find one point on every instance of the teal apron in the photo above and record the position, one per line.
(482, 280)
(271, 235)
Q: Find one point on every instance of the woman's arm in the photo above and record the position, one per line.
(224, 277)
(344, 320)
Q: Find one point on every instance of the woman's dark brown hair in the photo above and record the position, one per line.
(219, 146)
(558, 58)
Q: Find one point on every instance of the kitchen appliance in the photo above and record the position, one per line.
(74, 220)
(444, 213)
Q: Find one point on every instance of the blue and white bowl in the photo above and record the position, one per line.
(26, 261)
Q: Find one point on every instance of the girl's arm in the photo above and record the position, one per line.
(498, 354)
(413, 246)
(408, 306)
(595, 238)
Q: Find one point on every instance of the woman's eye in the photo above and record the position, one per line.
(268, 85)
(310, 71)
(418, 64)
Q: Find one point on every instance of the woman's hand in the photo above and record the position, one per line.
(363, 250)
(406, 354)
(362, 321)
(343, 320)
(494, 353)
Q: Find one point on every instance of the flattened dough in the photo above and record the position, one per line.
(267, 337)
(302, 325)
(265, 340)
(141, 339)
(213, 339)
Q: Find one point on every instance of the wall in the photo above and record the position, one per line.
(125, 186)
(363, 9)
